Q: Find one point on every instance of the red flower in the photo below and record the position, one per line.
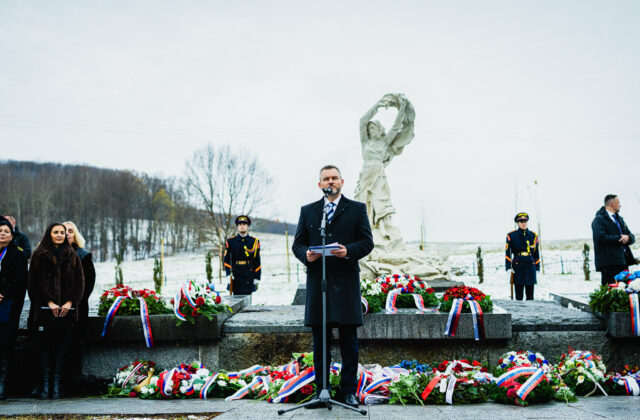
(218, 299)
(430, 290)
(307, 389)
(200, 301)
(443, 366)
(476, 363)
(133, 394)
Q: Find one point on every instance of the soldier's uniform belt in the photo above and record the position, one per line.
(523, 254)
(241, 262)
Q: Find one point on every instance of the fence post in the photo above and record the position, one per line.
(561, 264)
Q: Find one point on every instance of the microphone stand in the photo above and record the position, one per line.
(324, 396)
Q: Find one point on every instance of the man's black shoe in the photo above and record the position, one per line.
(351, 400)
(314, 404)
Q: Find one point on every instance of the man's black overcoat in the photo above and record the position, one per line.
(349, 227)
(606, 241)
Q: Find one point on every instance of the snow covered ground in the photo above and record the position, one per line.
(278, 284)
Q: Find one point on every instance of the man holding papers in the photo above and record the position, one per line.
(349, 238)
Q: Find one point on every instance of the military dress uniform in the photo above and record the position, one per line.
(242, 259)
(522, 255)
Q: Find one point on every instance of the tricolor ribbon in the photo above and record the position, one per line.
(207, 384)
(515, 373)
(630, 384)
(634, 306)
(476, 315)
(110, 314)
(365, 304)
(133, 372)
(146, 323)
(392, 297)
(292, 385)
(166, 387)
(533, 381)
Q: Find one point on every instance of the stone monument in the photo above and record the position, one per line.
(378, 149)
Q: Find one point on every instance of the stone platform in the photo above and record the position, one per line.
(618, 407)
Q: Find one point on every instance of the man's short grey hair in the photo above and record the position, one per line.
(609, 198)
(326, 167)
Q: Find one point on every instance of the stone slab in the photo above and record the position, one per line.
(267, 319)
(541, 315)
(163, 328)
(619, 325)
(407, 324)
(572, 300)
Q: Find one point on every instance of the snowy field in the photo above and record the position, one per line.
(279, 284)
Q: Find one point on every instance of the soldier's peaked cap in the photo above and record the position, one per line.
(521, 216)
(244, 219)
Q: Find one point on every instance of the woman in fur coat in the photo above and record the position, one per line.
(56, 285)
(13, 279)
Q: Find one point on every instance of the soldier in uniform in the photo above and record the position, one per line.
(242, 259)
(522, 257)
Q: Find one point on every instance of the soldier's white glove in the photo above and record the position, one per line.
(256, 282)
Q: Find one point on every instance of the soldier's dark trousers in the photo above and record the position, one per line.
(519, 288)
(610, 271)
(349, 352)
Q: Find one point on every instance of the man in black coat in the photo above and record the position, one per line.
(611, 240)
(20, 239)
(347, 225)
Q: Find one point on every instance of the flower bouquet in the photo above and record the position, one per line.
(466, 293)
(614, 297)
(197, 299)
(130, 304)
(522, 378)
(131, 378)
(453, 382)
(581, 371)
(375, 292)
(623, 382)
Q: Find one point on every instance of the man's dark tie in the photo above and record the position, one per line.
(615, 217)
(331, 206)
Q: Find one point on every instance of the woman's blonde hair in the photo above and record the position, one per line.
(79, 239)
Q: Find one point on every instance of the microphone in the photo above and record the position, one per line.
(327, 191)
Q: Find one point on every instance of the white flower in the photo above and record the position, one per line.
(622, 285)
(197, 387)
(580, 379)
(183, 389)
(222, 383)
(581, 369)
(154, 380)
(634, 285)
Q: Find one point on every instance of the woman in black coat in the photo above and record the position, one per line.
(13, 278)
(77, 241)
(56, 285)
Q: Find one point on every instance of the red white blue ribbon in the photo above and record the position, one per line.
(365, 304)
(166, 385)
(146, 323)
(110, 314)
(476, 315)
(634, 306)
(207, 384)
(533, 381)
(478, 318)
(133, 372)
(630, 384)
(294, 384)
(454, 317)
(390, 304)
(515, 373)
(363, 379)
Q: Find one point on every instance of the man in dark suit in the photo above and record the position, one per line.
(347, 225)
(611, 240)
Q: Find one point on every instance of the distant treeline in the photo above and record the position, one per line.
(122, 214)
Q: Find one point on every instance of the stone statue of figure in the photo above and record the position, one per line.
(378, 148)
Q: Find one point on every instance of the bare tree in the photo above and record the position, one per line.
(226, 183)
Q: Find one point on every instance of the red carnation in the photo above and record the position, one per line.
(218, 299)
(430, 290)
(133, 394)
(200, 301)
(307, 389)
